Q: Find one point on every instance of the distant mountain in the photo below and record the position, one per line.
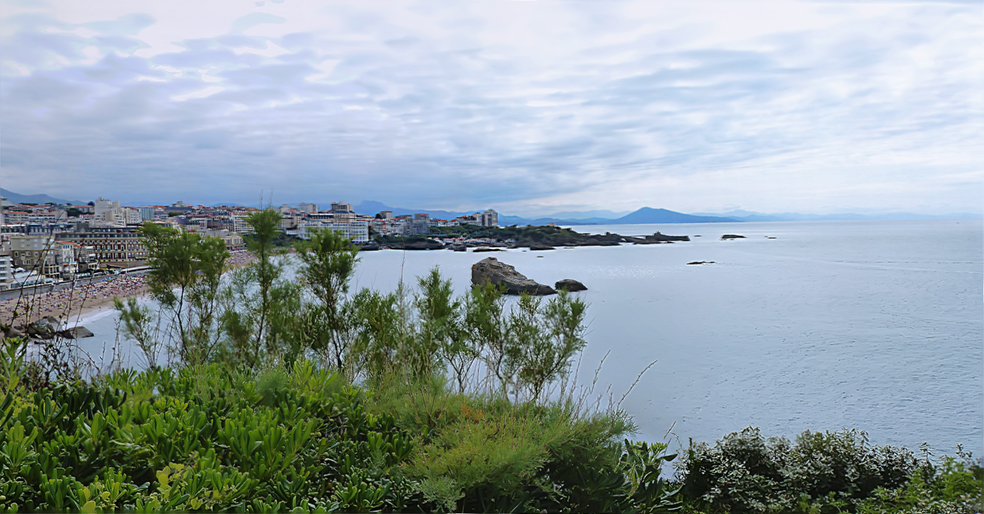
(596, 217)
(795, 216)
(38, 198)
(650, 215)
(586, 215)
(372, 207)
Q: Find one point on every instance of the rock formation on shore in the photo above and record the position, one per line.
(659, 238)
(45, 329)
(490, 270)
(570, 284)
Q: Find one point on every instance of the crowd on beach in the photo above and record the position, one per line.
(85, 297)
(58, 303)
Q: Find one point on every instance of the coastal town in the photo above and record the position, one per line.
(46, 244)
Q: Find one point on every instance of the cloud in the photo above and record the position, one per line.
(529, 105)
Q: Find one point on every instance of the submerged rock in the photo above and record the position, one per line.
(570, 284)
(490, 270)
(696, 263)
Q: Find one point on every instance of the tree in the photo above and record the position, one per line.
(260, 309)
(184, 279)
(266, 228)
(327, 263)
(442, 331)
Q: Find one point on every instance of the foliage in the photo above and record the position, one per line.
(184, 279)
(258, 309)
(218, 438)
(137, 325)
(745, 472)
(327, 263)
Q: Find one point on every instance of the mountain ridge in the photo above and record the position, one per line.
(39, 198)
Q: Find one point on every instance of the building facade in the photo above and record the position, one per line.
(113, 246)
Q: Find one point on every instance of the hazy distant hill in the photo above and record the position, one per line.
(38, 198)
(643, 215)
(372, 207)
(795, 216)
(650, 215)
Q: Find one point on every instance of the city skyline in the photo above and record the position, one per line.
(529, 108)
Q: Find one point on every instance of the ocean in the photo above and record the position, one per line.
(875, 325)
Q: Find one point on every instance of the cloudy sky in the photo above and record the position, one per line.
(530, 107)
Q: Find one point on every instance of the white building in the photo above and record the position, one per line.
(490, 218)
(308, 207)
(6, 270)
(341, 207)
(132, 216)
(109, 214)
(356, 231)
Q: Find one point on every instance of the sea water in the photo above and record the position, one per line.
(876, 325)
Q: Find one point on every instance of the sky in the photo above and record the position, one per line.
(528, 107)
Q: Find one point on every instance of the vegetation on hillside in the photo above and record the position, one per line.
(271, 392)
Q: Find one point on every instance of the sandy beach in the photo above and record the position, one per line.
(86, 300)
(71, 302)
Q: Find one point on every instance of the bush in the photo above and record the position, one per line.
(745, 472)
(217, 438)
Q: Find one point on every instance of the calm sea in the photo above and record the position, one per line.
(877, 325)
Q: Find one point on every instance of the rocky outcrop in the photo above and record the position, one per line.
(569, 284)
(540, 248)
(482, 249)
(490, 270)
(731, 236)
(663, 237)
(42, 329)
(76, 333)
(658, 238)
(426, 244)
(698, 263)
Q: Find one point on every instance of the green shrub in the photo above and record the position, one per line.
(833, 471)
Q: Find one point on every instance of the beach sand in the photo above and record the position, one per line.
(73, 303)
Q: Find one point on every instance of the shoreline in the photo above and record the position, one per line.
(79, 305)
(72, 306)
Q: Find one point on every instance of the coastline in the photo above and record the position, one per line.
(79, 305)
(72, 305)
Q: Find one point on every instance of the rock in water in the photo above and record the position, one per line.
(570, 284)
(76, 333)
(731, 236)
(490, 270)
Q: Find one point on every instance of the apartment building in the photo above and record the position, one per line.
(109, 213)
(6, 269)
(357, 231)
(113, 246)
(490, 218)
(28, 251)
(44, 254)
